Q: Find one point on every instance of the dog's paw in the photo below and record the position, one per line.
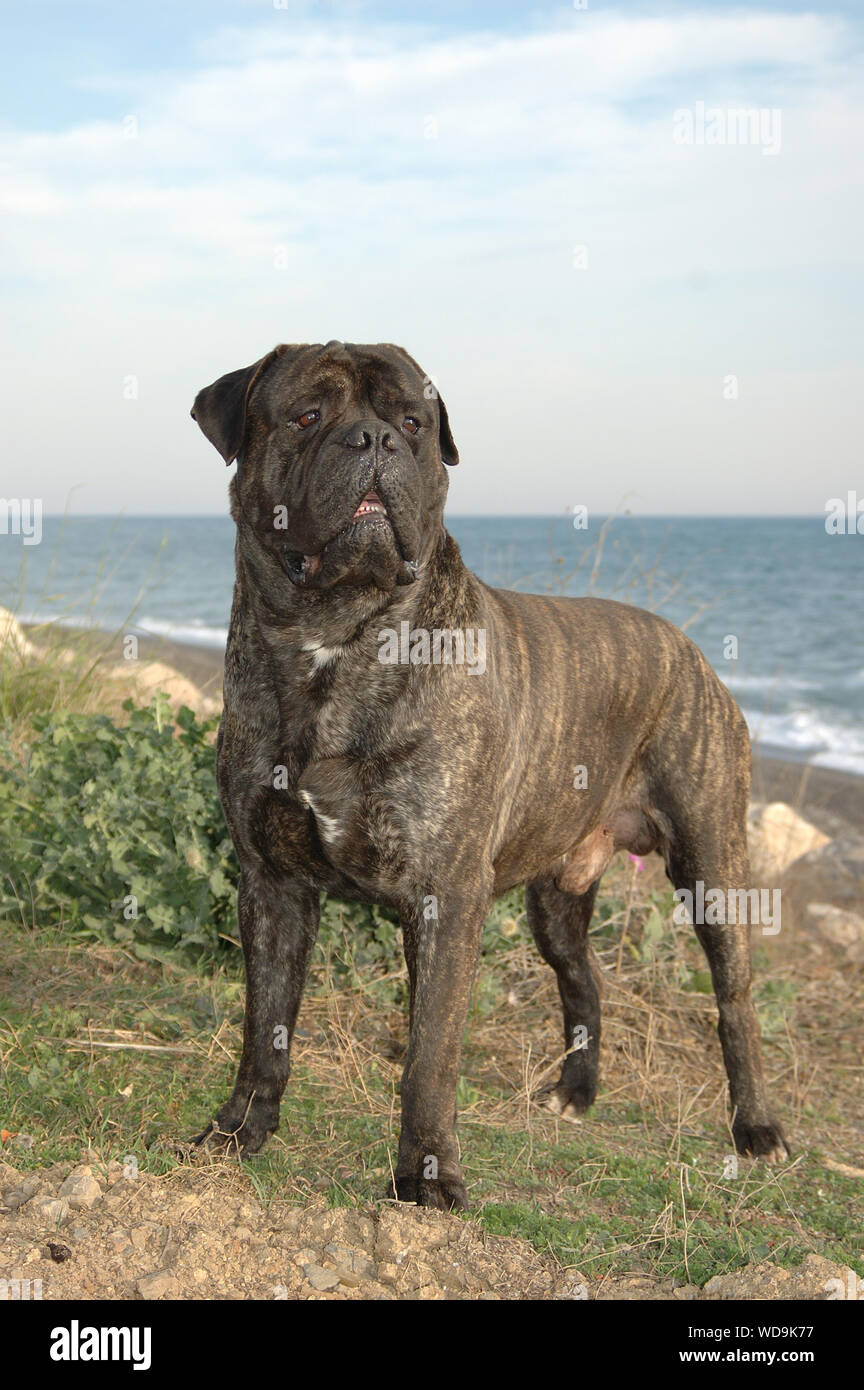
(234, 1138)
(217, 1142)
(442, 1193)
(568, 1102)
(763, 1141)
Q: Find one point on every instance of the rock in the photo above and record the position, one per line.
(119, 1243)
(13, 638)
(833, 875)
(146, 677)
(574, 1286)
(321, 1278)
(839, 927)
(416, 1274)
(53, 1210)
(17, 1196)
(117, 1194)
(304, 1257)
(400, 1233)
(815, 1279)
(160, 1284)
(847, 1170)
(777, 837)
(348, 1277)
(353, 1261)
(81, 1189)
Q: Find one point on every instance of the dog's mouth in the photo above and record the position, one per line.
(303, 569)
(370, 506)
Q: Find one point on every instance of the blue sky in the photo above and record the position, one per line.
(610, 313)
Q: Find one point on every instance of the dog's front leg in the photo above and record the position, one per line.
(278, 927)
(441, 948)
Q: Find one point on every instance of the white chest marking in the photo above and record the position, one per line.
(327, 825)
(321, 655)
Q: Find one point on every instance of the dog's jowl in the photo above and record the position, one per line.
(445, 781)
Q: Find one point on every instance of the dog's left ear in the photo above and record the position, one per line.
(220, 409)
(449, 452)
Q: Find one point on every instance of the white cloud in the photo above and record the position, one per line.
(157, 255)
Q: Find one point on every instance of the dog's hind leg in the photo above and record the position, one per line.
(716, 858)
(559, 922)
(698, 774)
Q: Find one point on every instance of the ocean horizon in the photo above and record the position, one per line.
(774, 603)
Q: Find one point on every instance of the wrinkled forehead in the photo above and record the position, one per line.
(346, 372)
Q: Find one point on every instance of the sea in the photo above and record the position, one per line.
(776, 604)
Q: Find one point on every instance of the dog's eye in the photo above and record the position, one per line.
(309, 417)
(410, 424)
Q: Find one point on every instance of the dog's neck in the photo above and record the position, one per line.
(319, 645)
(294, 616)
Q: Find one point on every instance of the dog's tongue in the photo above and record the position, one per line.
(311, 565)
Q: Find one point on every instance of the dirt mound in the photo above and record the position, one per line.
(107, 1232)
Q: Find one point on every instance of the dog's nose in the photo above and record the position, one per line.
(370, 435)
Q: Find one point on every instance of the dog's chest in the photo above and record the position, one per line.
(345, 825)
(350, 801)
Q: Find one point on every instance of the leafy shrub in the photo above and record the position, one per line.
(118, 828)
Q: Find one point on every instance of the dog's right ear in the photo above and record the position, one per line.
(220, 409)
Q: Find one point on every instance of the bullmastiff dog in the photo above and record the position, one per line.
(361, 753)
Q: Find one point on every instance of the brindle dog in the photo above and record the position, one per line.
(430, 788)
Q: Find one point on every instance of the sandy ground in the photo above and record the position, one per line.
(99, 1231)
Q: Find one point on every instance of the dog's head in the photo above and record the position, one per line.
(340, 452)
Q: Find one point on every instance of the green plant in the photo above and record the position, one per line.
(118, 828)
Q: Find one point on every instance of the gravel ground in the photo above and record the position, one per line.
(97, 1231)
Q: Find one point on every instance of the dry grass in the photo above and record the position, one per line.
(640, 1183)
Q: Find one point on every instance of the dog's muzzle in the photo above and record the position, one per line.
(369, 541)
